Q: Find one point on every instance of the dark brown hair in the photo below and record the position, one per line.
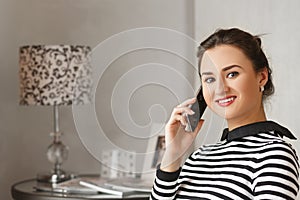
(249, 44)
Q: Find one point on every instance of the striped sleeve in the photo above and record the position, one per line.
(277, 173)
(165, 185)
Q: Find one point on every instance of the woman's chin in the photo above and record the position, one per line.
(225, 114)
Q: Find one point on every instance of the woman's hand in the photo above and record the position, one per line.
(177, 139)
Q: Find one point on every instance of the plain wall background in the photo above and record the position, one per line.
(25, 130)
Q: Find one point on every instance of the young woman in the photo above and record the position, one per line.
(252, 161)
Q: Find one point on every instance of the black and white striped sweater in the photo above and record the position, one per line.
(253, 162)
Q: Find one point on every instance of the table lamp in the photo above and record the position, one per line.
(55, 75)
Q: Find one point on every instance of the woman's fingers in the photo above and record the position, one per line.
(184, 107)
(180, 114)
(187, 102)
(181, 111)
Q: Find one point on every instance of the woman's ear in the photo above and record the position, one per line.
(263, 77)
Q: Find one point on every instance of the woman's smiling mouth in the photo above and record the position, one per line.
(226, 101)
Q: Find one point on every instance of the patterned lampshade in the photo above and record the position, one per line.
(55, 75)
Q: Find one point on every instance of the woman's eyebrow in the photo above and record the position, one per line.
(208, 73)
(230, 67)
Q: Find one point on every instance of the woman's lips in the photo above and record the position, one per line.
(226, 101)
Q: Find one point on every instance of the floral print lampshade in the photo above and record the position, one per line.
(55, 74)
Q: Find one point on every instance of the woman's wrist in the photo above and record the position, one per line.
(173, 167)
(170, 163)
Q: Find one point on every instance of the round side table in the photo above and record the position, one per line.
(24, 190)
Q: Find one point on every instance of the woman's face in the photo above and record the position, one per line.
(230, 84)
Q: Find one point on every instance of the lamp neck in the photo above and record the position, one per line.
(56, 118)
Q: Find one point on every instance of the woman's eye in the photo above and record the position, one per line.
(209, 80)
(232, 74)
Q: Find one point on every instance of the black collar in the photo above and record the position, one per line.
(255, 128)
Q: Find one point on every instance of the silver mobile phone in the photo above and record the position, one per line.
(198, 107)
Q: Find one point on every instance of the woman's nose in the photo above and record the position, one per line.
(221, 87)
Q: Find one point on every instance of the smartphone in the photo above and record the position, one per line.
(198, 107)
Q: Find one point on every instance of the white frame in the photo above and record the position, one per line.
(158, 150)
(157, 129)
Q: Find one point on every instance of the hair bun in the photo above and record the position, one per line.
(258, 40)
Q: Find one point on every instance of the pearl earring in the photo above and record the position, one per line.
(262, 88)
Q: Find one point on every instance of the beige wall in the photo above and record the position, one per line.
(25, 130)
